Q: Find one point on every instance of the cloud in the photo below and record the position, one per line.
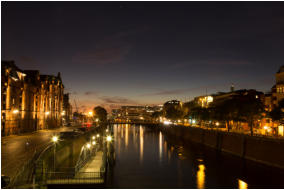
(90, 93)
(161, 92)
(117, 100)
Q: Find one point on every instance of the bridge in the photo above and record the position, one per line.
(133, 121)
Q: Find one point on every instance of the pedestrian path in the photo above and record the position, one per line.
(94, 165)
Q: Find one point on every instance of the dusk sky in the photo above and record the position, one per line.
(134, 53)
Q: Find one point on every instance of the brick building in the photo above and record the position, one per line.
(29, 101)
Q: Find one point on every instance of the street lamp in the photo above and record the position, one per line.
(54, 140)
(108, 138)
(98, 135)
(90, 113)
(88, 145)
(94, 142)
(15, 111)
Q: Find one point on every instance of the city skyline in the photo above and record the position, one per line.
(133, 53)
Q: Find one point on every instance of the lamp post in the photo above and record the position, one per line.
(54, 140)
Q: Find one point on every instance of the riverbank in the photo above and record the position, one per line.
(267, 151)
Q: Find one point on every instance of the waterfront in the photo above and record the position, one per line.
(147, 159)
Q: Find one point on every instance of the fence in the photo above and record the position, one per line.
(74, 177)
(25, 174)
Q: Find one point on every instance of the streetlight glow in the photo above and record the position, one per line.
(15, 111)
(109, 138)
(54, 139)
(98, 135)
(94, 142)
(90, 113)
(88, 145)
(93, 137)
(47, 113)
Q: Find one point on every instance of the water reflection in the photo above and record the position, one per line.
(242, 184)
(126, 135)
(160, 146)
(141, 143)
(193, 166)
(200, 176)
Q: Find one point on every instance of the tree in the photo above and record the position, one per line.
(157, 114)
(277, 113)
(251, 109)
(100, 113)
(173, 110)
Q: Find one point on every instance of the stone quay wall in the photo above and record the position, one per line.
(269, 151)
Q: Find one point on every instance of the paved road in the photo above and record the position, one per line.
(16, 150)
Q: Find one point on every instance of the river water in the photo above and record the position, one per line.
(145, 158)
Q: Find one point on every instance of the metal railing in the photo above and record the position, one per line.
(74, 177)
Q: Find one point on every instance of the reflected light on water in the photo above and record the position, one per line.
(160, 146)
(200, 177)
(242, 184)
(126, 135)
(141, 143)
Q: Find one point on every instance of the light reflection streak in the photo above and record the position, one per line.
(122, 131)
(200, 177)
(160, 146)
(126, 135)
(141, 143)
(242, 184)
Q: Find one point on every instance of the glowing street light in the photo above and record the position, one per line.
(217, 124)
(106, 130)
(15, 111)
(47, 113)
(98, 135)
(90, 113)
(94, 142)
(88, 145)
(54, 139)
(93, 137)
(108, 138)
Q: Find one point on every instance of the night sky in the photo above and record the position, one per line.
(134, 53)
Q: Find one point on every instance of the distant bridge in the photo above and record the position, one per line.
(134, 122)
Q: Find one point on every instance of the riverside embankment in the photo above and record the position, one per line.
(269, 151)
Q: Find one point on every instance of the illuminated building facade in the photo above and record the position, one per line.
(29, 101)
(135, 113)
(278, 88)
